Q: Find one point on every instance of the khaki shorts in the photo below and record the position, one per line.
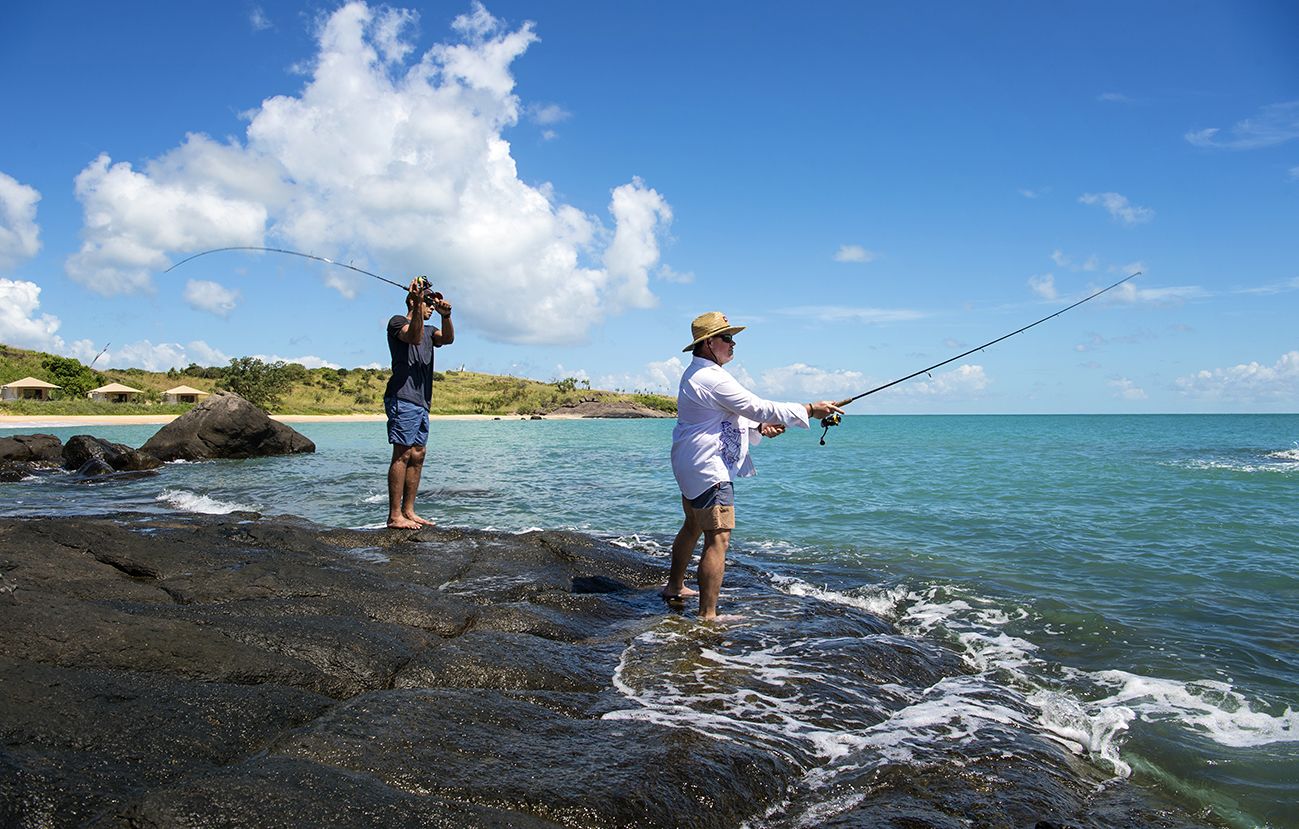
(713, 510)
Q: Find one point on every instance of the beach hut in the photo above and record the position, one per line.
(183, 394)
(28, 388)
(116, 393)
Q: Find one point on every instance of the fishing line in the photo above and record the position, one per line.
(834, 418)
(425, 283)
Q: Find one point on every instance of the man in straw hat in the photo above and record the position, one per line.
(717, 421)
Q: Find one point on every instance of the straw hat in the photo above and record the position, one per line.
(710, 325)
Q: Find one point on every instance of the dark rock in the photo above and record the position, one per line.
(224, 426)
(95, 456)
(483, 747)
(504, 661)
(31, 448)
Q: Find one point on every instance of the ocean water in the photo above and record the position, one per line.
(1134, 579)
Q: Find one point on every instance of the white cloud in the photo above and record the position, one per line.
(19, 233)
(667, 274)
(547, 114)
(1282, 287)
(837, 313)
(1274, 124)
(1125, 389)
(1119, 207)
(1294, 173)
(307, 361)
(258, 20)
(805, 382)
(1246, 383)
(961, 382)
(396, 158)
(661, 377)
(212, 297)
(152, 356)
(1113, 98)
(1061, 260)
(19, 324)
(1129, 294)
(1043, 285)
(854, 253)
(1032, 194)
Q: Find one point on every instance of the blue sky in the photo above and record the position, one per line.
(871, 187)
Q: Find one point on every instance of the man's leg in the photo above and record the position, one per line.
(397, 475)
(410, 488)
(683, 548)
(712, 566)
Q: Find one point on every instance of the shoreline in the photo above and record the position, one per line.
(63, 421)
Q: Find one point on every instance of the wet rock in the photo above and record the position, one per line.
(504, 661)
(95, 456)
(31, 448)
(224, 425)
(24, 455)
(484, 747)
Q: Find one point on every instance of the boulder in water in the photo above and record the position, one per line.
(225, 426)
(96, 456)
(21, 455)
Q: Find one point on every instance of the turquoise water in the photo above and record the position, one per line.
(1135, 578)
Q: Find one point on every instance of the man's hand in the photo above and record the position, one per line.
(821, 409)
(771, 430)
(416, 295)
(441, 305)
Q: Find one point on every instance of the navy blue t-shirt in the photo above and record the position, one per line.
(412, 365)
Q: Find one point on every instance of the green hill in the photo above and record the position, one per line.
(302, 390)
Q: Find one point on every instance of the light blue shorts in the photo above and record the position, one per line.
(407, 422)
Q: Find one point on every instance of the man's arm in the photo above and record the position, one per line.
(447, 333)
(413, 331)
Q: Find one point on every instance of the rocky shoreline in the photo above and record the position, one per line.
(243, 671)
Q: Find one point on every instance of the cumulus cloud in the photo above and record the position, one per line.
(19, 323)
(1274, 124)
(258, 20)
(1119, 207)
(1246, 383)
(854, 253)
(804, 382)
(1125, 389)
(963, 381)
(212, 297)
(398, 159)
(667, 274)
(661, 377)
(19, 233)
(306, 361)
(152, 356)
(1043, 285)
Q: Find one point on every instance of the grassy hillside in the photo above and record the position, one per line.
(312, 391)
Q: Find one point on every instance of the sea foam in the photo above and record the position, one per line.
(187, 501)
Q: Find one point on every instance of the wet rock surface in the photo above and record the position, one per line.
(224, 426)
(241, 671)
(24, 455)
(96, 456)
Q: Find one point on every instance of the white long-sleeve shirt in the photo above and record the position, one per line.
(717, 419)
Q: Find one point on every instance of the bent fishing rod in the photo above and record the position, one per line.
(424, 284)
(833, 419)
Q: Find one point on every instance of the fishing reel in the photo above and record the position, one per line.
(425, 288)
(832, 419)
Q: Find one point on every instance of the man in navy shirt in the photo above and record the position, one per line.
(409, 393)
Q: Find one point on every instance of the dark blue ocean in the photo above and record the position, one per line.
(1135, 578)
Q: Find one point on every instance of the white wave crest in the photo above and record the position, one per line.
(187, 501)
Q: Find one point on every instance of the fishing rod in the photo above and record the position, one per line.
(833, 419)
(424, 284)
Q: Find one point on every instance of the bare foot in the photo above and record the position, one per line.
(402, 524)
(423, 522)
(722, 618)
(668, 594)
